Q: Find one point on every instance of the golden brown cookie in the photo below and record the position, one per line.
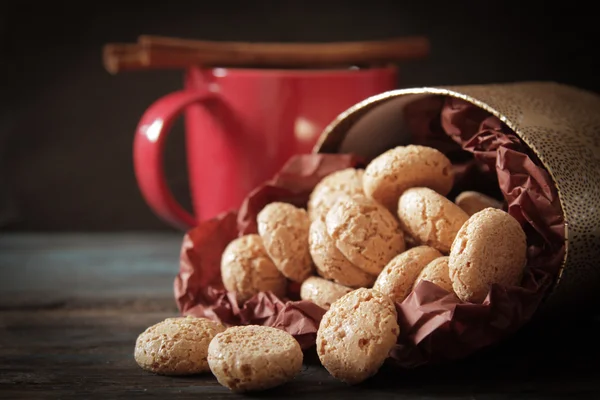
(247, 269)
(490, 248)
(430, 218)
(284, 232)
(397, 278)
(472, 202)
(344, 182)
(176, 346)
(392, 172)
(321, 291)
(330, 263)
(365, 232)
(356, 335)
(251, 358)
(437, 273)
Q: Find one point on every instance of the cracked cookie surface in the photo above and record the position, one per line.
(176, 346)
(251, 358)
(437, 273)
(430, 218)
(322, 292)
(365, 232)
(246, 269)
(284, 232)
(330, 262)
(398, 169)
(345, 182)
(490, 248)
(399, 275)
(356, 335)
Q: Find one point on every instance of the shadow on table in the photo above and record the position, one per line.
(550, 360)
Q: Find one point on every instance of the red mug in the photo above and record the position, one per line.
(241, 126)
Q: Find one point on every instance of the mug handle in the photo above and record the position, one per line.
(148, 146)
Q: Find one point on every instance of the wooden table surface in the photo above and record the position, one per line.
(72, 305)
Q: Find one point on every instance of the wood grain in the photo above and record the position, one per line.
(81, 344)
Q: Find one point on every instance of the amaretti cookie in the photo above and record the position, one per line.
(356, 335)
(391, 173)
(365, 232)
(246, 269)
(437, 273)
(176, 346)
(472, 202)
(284, 232)
(321, 291)
(490, 248)
(430, 218)
(397, 278)
(330, 262)
(251, 358)
(344, 182)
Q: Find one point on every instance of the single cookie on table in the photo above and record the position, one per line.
(246, 269)
(399, 275)
(251, 358)
(490, 248)
(365, 232)
(437, 273)
(176, 346)
(330, 262)
(430, 218)
(473, 202)
(356, 335)
(344, 182)
(284, 232)
(398, 169)
(321, 291)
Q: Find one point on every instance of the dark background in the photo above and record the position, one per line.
(66, 125)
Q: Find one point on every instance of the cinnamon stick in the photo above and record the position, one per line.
(156, 52)
(118, 57)
(121, 57)
(211, 53)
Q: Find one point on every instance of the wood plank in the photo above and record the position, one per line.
(57, 353)
(44, 270)
(109, 288)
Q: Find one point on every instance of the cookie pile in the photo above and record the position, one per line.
(366, 239)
